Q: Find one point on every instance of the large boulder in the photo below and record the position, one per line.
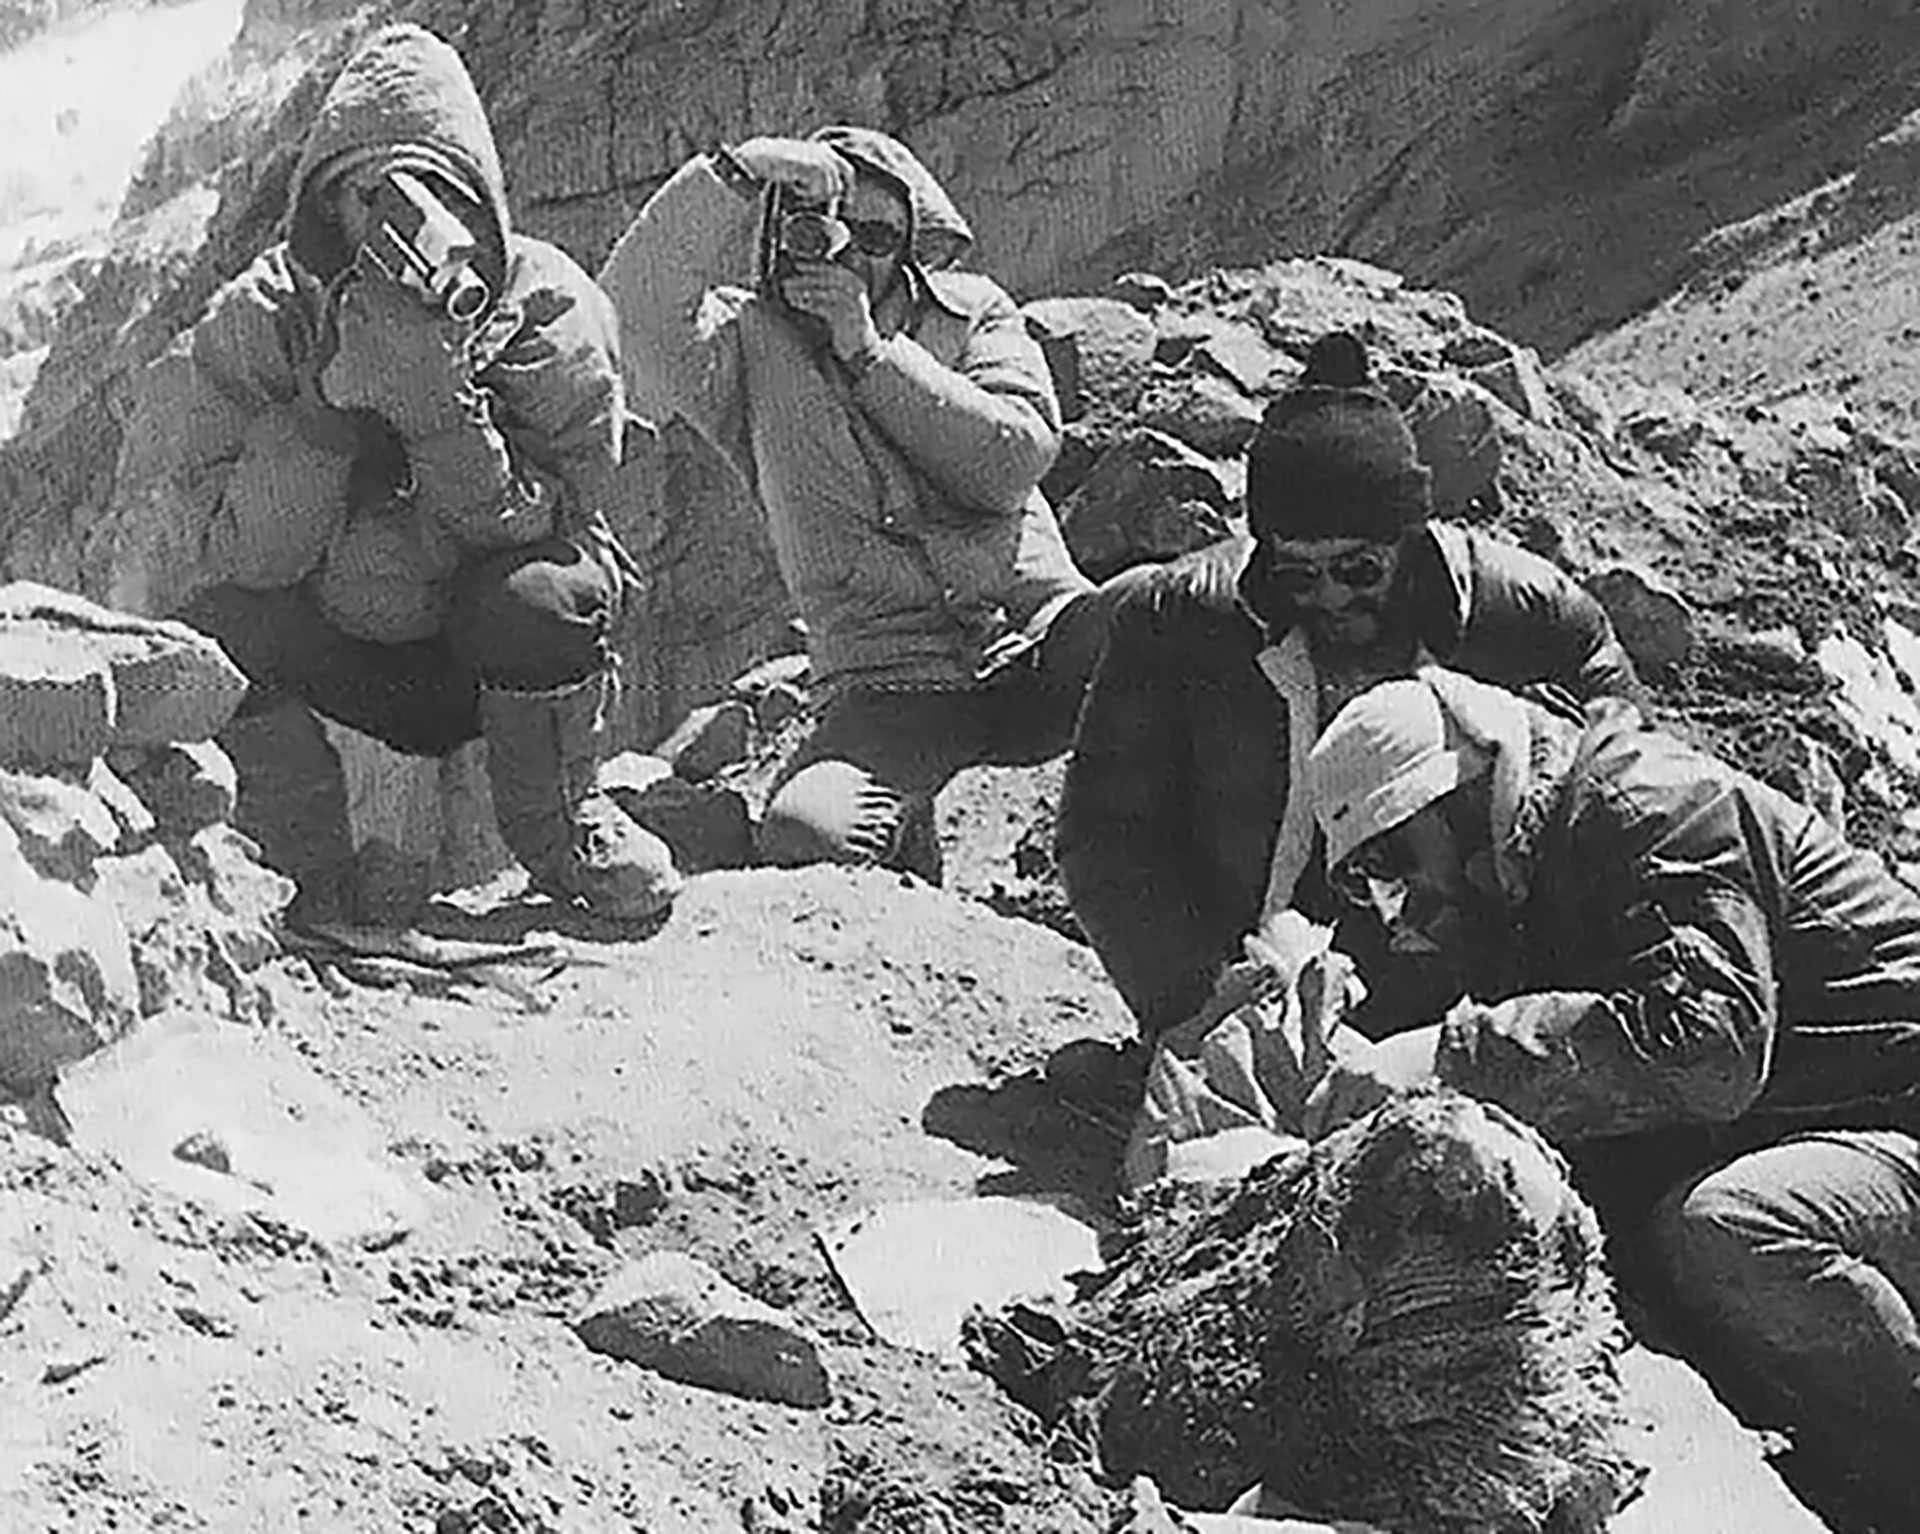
(77, 679)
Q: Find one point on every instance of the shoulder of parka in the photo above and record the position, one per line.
(969, 295)
(548, 287)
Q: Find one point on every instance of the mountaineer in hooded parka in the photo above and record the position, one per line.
(894, 417)
(376, 469)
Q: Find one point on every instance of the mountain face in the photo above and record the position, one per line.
(1572, 169)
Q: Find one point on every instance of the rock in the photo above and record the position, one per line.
(234, 1118)
(674, 1315)
(1145, 291)
(61, 827)
(1458, 437)
(1873, 695)
(1516, 380)
(247, 895)
(709, 740)
(706, 825)
(169, 682)
(56, 698)
(914, 1270)
(1237, 352)
(632, 773)
(1207, 411)
(67, 979)
(187, 785)
(1151, 497)
(1106, 353)
(1655, 623)
(135, 820)
(186, 951)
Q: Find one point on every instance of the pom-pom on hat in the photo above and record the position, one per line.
(1333, 457)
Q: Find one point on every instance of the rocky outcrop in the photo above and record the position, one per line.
(124, 893)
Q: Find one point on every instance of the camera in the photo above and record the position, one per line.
(418, 243)
(813, 234)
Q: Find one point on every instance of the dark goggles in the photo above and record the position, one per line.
(874, 237)
(1362, 570)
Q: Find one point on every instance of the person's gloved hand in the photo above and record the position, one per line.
(396, 355)
(837, 298)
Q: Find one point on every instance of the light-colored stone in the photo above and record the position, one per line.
(1104, 355)
(130, 814)
(67, 979)
(915, 1270)
(1871, 696)
(1458, 437)
(169, 681)
(56, 698)
(671, 1313)
(1517, 381)
(1655, 623)
(61, 826)
(1150, 497)
(709, 740)
(291, 1145)
(1202, 408)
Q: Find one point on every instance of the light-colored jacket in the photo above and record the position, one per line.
(233, 470)
(904, 507)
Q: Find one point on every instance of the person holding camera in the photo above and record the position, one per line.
(894, 417)
(375, 471)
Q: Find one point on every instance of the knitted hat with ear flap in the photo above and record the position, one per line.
(1333, 457)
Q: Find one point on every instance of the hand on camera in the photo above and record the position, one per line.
(837, 298)
(816, 171)
(397, 355)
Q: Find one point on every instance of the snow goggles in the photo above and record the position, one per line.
(1362, 570)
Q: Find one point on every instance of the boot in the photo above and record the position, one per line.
(543, 754)
(293, 803)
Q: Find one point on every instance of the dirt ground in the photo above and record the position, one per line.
(188, 1353)
(355, 1315)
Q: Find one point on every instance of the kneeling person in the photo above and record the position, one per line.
(1670, 969)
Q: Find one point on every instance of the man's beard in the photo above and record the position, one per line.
(1331, 634)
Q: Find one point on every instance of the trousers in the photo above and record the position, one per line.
(1800, 1265)
(861, 787)
(525, 619)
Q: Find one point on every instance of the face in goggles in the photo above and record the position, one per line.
(875, 237)
(1365, 569)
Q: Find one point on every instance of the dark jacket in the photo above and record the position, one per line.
(1178, 779)
(1695, 949)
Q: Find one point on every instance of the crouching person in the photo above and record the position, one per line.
(377, 469)
(1695, 986)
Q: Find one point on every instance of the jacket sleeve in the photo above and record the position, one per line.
(667, 277)
(1532, 622)
(1683, 1035)
(227, 471)
(542, 450)
(1123, 841)
(986, 431)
